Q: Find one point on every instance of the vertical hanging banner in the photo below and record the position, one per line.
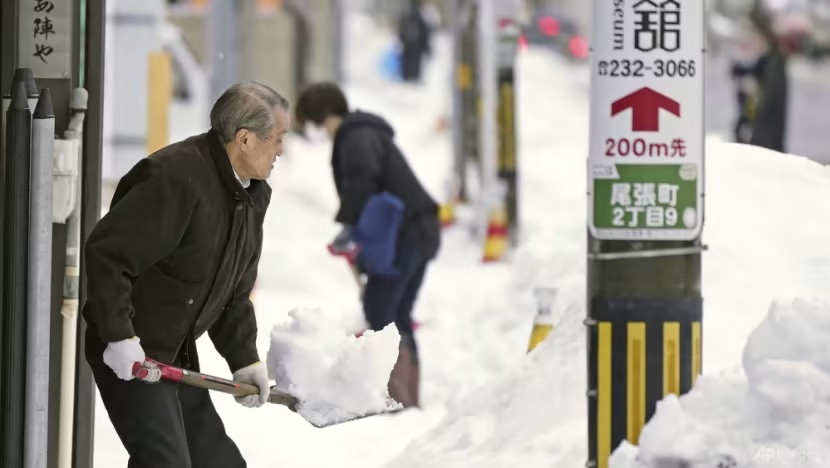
(646, 162)
(45, 42)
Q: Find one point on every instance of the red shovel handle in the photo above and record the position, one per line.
(143, 370)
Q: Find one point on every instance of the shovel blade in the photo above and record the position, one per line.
(354, 418)
(294, 404)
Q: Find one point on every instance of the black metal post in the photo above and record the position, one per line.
(9, 12)
(91, 212)
(15, 253)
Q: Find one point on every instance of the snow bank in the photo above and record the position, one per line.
(767, 225)
(535, 414)
(520, 420)
(334, 375)
(776, 416)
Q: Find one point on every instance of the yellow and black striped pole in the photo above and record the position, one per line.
(506, 122)
(640, 350)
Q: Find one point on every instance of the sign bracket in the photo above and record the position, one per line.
(649, 253)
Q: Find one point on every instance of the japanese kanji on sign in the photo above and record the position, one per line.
(646, 162)
(46, 49)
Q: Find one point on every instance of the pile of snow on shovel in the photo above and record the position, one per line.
(335, 375)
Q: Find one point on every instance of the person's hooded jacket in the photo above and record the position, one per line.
(366, 161)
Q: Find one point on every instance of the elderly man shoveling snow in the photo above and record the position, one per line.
(175, 257)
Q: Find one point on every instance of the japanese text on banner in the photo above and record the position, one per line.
(45, 43)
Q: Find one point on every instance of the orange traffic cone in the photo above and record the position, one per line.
(495, 244)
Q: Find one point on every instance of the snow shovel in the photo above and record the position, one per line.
(152, 371)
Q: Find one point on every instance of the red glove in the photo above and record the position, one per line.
(350, 255)
(344, 246)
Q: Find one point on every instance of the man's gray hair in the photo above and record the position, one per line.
(247, 105)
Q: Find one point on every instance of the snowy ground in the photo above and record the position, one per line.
(486, 403)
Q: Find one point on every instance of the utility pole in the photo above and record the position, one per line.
(508, 36)
(246, 24)
(469, 84)
(463, 16)
(645, 213)
(461, 80)
(485, 40)
(491, 189)
(223, 45)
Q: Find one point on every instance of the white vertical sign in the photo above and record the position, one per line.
(646, 159)
(45, 38)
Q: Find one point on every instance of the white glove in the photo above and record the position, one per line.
(256, 374)
(120, 356)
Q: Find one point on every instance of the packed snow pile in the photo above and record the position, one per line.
(521, 418)
(767, 225)
(334, 375)
(776, 416)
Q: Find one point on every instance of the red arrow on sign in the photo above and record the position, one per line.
(645, 105)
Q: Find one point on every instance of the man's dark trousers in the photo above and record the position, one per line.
(166, 425)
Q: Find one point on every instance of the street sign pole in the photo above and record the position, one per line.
(491, 193)
(461, 86)
(645, 213)
(467, 80)
(506, 119)
(460, 82)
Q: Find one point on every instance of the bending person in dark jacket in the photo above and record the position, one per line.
(365, 161)
(176, 256)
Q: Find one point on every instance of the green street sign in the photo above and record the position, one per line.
(646, 201)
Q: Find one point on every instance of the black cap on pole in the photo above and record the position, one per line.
(26, 76)
(44, 110)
